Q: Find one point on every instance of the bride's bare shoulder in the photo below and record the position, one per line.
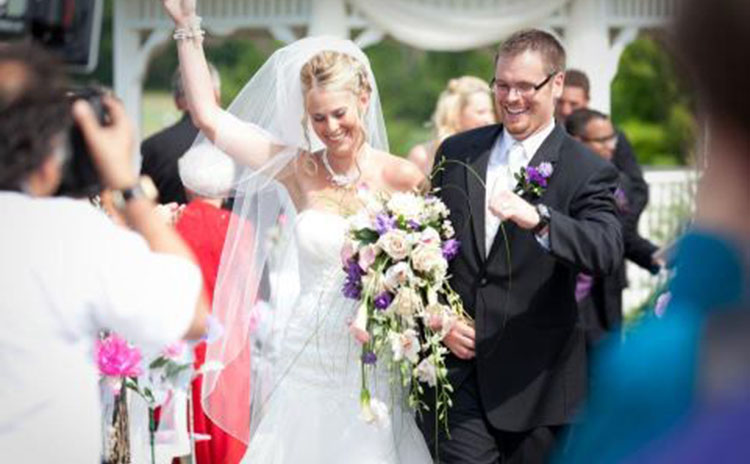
(401, 174)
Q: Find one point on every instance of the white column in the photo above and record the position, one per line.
(127, 84)
(126, 43)
(328, 17)
(587, 47)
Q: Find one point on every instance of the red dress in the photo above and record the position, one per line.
(204, 226)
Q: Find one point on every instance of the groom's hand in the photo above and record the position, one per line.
(460, 340)
(506, 205)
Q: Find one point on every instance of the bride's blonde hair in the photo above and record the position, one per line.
(333, 70)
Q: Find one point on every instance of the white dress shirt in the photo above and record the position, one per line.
(507, 158)
(67, 271)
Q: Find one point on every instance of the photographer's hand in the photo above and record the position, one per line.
(111, 149)
(111, 146)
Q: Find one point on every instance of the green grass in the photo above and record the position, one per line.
(157, 112)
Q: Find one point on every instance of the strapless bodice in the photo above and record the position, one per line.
(320, 236)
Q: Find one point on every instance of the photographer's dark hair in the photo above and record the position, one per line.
(33, 110)
(576, 123)
(711, 41)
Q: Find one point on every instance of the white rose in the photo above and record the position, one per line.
(407, 205)
(405, 346)
(430, 237)
(397, 276)
(396, 243)
(426, 372)
(429, 259)
(407, 302)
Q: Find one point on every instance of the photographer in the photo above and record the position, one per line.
(67, 271)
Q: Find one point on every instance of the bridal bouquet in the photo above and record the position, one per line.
(396, 259)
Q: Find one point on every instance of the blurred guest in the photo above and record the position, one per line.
(466, 103)
(600, 299)
(203, 224)
(161, 151)
(659, 384)
(575, 96)
(68, 271)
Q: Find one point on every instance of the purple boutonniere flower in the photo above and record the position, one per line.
(450, 248)
(533, 180)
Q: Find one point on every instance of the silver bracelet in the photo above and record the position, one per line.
(193, 30)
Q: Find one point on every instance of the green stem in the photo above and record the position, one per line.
(152, 433)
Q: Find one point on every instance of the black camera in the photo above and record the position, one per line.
(70, 29)
(80, 178)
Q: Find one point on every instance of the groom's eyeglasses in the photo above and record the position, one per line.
(524, 89)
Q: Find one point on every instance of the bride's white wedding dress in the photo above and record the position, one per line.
(312, 416)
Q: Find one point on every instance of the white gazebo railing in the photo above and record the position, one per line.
(671, 205)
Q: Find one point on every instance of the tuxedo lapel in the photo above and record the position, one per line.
(549, 151)
(476, 177)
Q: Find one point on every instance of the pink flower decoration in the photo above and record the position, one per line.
(174, 350)
(115, 357)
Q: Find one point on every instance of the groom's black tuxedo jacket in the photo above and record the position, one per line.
(530, 352)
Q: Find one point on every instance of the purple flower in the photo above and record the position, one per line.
(450, 248)
(353, 284)
(368, 357)
(545, 169)
(621, 200)
(414, 225)
(383, 300)
(384, 223)
(533, 175)
(661, 304)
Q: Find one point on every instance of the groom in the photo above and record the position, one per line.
(519, 373)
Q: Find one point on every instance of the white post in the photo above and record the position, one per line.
(328, 17)
(125, 47)
(587, 46)
(127, 82)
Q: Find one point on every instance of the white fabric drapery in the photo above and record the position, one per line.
(442, 25)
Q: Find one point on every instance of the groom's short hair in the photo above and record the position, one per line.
(544, 43)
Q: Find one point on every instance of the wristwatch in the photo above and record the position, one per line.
(143, 188)
(544, 218)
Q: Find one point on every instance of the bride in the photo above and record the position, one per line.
(308, 131)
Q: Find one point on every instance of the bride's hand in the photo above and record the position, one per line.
(180, 10)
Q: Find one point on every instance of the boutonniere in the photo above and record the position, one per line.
(533, 180)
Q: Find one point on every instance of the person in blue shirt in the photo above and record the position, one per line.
(652, 387)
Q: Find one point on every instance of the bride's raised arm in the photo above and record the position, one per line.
(244, 142)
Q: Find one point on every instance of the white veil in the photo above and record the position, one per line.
(257, 283)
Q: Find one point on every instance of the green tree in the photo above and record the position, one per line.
(652, 106)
